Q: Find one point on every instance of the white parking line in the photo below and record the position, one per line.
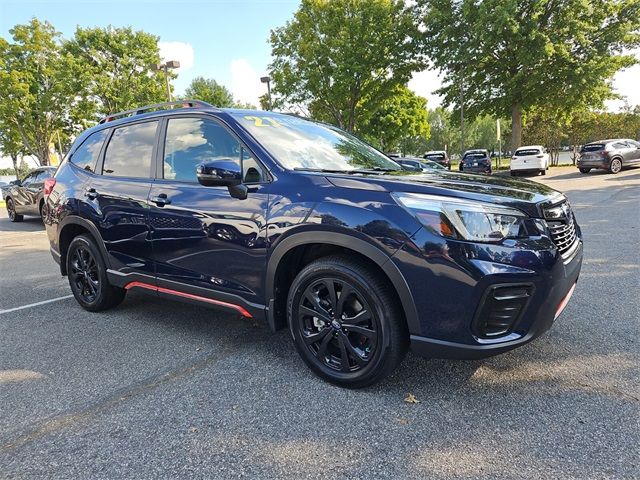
(44, 302)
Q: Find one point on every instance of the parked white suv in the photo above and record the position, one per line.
(532, 158)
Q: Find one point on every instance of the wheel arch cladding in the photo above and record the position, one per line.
(295, 252)
(71, 228)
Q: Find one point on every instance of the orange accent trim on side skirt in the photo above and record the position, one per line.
(190, 296)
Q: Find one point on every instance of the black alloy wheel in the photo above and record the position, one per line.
(11, 211)
(585, 170)
(337, 324)
(84, 274)
(346, 322)
(87, 275)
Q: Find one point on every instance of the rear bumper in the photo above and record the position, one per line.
(529, 166)
(602, 164)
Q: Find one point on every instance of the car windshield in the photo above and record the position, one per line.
(594, 147)
(526, 152)
(301, 144)
(434, 156)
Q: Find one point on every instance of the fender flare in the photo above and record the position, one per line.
(93, 230)
(373, 253)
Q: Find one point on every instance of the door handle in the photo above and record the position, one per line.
(91, 193)
(161, 200)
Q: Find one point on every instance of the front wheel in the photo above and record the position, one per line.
(616, 165)
(11, 211)
(346, 322)
(584, 170)
(87, 275)
(543, 172)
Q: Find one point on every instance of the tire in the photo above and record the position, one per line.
(543, 172)
(87, 274)
(41, 211)
(11, 211)
(584, 170)
(615, 166)
(513, 173)
(355, 354)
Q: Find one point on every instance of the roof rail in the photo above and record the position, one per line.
(157, 106)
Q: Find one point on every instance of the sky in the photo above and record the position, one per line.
(222, 39)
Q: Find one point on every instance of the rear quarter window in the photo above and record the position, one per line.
(86, 155)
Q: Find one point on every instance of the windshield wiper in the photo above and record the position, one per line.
(378, 169)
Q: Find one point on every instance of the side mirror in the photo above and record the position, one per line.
(222, 173)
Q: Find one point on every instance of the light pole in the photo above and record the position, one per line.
(267, 80)
(171, 64)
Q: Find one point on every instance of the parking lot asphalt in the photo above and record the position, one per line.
(155, 389)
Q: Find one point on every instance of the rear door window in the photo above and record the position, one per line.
(130, 150)
(86, 155)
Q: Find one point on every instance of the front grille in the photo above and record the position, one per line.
(562, 226)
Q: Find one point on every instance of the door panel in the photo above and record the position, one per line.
(205, 238)
(120, 211)
(23, 194)
(119, 198)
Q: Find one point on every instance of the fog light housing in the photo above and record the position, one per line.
(500, 309)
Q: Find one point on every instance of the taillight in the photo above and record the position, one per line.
(49, 183)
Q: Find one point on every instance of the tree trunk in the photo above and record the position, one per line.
(516, 126)
(14, 159)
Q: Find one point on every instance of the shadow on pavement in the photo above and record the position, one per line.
(29, 224)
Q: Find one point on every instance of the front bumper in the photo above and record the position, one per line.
(450, 297)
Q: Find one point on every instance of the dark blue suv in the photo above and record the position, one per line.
(304, 226)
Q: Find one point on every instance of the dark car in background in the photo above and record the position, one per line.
(303, 226)
(612, 155)
(26, 196)
(476, 161)
(440, 157)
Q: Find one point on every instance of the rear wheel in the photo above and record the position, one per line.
(615, 166)
(585, 170)
(346, 322)
(42, 211)
(87, 275)
(543, 172)
(11, 211)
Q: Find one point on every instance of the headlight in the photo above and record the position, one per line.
(464, 219)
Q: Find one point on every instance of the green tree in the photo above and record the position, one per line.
(208, 90)
(340, 58)
(402, 116)
(37, 90)
(508, 56)
(113, 68)
(445, 135)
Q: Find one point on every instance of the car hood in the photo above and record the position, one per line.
(530, 197)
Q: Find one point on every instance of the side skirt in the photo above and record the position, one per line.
(188, 293)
